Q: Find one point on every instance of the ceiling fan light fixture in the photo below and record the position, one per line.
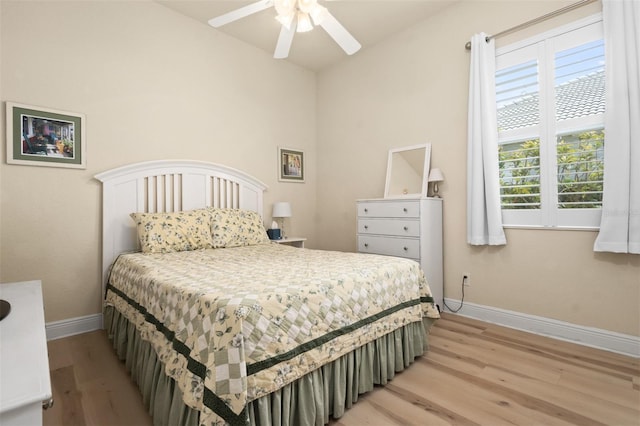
(307, 6)
(294, 16)
(304, 23)
(285, 7)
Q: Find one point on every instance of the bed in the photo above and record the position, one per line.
(218, 325)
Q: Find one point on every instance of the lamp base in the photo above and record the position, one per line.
(282, 234)
(435, 190)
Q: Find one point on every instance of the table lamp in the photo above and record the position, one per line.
(280, 211)
(435, 176)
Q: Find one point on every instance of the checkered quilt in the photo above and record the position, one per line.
(234, 324)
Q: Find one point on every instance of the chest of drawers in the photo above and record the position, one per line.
(409, 228)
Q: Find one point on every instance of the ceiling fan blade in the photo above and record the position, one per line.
(284, 41)
(234, 15)
(338, 33)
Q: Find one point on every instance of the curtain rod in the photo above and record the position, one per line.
(536, 20)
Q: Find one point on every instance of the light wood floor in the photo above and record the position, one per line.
(474, 374)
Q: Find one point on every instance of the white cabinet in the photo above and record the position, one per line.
(24, 363)
(410, 228)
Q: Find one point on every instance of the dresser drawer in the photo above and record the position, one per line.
(401, 247)
(397, 227)
(410, 208)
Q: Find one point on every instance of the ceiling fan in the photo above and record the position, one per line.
(295, 16)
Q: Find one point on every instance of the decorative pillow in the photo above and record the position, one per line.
(169, 232)
(235, 227)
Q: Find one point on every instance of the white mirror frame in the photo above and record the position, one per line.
(425, 172)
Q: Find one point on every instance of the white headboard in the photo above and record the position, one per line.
(167, 186)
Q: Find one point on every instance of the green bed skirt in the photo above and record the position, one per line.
(311, 400)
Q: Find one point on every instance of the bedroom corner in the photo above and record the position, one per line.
(422, 78)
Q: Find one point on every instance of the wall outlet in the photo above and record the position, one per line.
(466, 280)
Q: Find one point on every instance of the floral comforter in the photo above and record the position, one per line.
(232, 325)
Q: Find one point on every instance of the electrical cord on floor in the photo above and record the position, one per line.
(461, 302)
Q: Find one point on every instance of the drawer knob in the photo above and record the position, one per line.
(366, 245)
(366, 210)
(404, 209)
(405, 249)
(406, 228)
(46, 404)
(366, 227)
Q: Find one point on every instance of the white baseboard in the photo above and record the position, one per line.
(602, 339)
(69, 327)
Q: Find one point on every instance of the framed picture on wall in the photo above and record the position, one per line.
(39, 136)
(290, 165)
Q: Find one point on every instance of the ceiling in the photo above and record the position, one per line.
(369, 21)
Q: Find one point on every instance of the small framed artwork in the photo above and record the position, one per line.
(290, 165)
(39, 136)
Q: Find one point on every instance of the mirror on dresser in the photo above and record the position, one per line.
(408, 172)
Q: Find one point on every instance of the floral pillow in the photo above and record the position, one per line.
(235, 227)
(170, 232)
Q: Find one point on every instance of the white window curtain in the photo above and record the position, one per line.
(484, 216)
(620, 223)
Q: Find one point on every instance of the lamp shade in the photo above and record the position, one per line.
(281, 209)
(304, 23)
(435, 175)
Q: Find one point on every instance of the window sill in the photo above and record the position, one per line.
(554, 228)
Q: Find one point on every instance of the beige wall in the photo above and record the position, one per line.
(412, 89)
(153, 85)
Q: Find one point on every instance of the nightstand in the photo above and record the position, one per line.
(25, 385)
(292, 241)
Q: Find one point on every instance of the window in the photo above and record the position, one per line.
(550, 96)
